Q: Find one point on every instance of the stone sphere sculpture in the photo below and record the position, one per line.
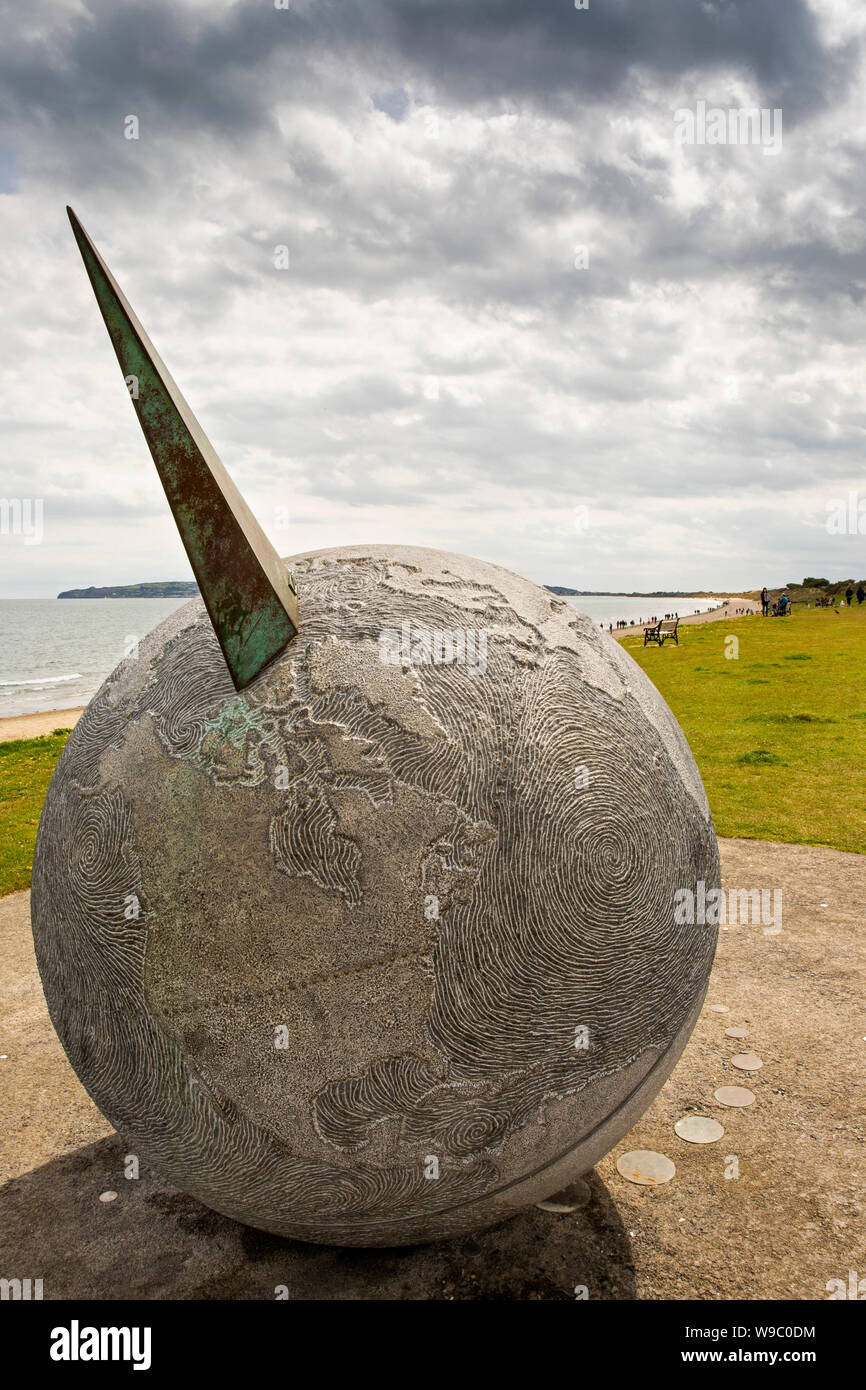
(376, 951)
(376, 944)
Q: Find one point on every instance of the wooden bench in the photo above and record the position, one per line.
(664, 631)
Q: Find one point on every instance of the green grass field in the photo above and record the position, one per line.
(779, 731)
(26, 766)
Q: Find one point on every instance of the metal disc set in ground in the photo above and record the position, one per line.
(698, 1129)
(645, 1167)
(734, 1095)
(747, 1061)
(650, 1169)
(563, 1203)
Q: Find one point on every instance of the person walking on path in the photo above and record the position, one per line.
(849, 594)
(861, 593)
(765, 601)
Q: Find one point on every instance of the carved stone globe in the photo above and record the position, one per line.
(353, 896)
(382, 948)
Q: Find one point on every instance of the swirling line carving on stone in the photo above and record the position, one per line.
(358, 790)
(304, 841)
(141, 1079)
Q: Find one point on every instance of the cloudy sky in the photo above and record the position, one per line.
(520, 318)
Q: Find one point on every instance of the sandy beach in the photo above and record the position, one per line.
(34, 725)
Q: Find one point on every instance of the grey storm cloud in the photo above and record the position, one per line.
(500, 48)
(196, 62)
(437, 363)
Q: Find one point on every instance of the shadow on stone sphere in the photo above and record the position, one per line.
(152, 1241)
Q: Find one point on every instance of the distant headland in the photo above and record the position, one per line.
(187, 588)
(631, 593)
(169, 588)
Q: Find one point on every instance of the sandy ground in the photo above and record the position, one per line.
(791, 1220)
(730, 609)
(33, 725)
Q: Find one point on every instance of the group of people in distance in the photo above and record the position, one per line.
(628, 622)
(780, 608)
(783, 605)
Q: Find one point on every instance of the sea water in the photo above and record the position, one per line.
(608, 609)
(55, 653)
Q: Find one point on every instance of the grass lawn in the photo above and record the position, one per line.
(26, 765)
(779, 730)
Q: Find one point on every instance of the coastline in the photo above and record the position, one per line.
(15, 726)
(731, 609)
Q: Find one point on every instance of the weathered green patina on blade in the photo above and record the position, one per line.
(249, 594)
